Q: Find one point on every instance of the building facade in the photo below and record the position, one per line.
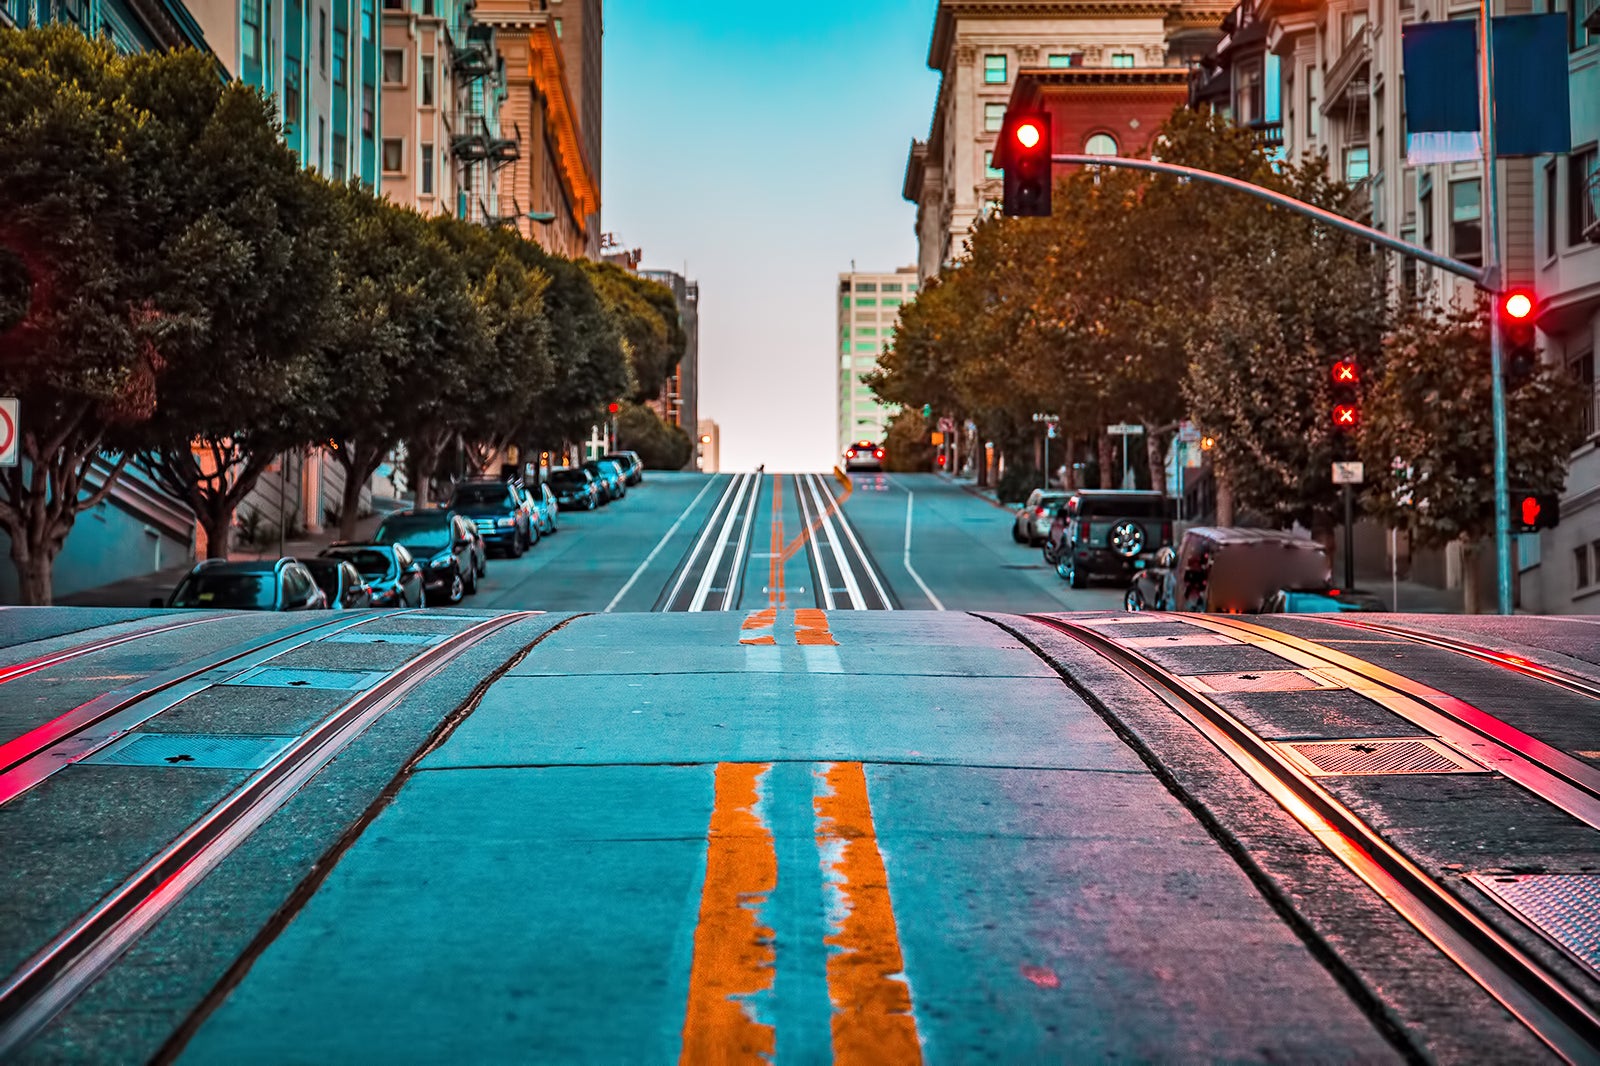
(708, 447)
(1325, 80)
(980, 46)
(130, 25)
(679, 403)
(580, 28)
(869, 310)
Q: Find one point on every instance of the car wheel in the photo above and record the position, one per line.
(1063, 569)
(1049, 551)
(1016, 534)
(483, 565)
(534, 533)
(592, 504)
(1076, 578)
(470, 585)
(458, 589)
(1133, 600)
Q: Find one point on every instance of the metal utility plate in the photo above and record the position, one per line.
(192, 750)
(1261, 681)
(1373, 756)
(1564, 907)
(362, 636)
(293, 677)
(1196, 639)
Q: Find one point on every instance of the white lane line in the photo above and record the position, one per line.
(694, 553)
(813, 546)
(852, 589)
(861, 554)
(736, 573)
(703, 590)
(921, 584)
(662, 543)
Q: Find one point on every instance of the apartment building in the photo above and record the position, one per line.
(130, 25)
(869, 310)
(980, 47)
(580, 28)
(679, 403)
(1326, 80)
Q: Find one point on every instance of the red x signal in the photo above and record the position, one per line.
(1346, 372)
(1346, 416)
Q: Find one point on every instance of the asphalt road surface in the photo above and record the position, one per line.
(749, 769)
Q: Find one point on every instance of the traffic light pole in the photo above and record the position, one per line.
(1487, 277)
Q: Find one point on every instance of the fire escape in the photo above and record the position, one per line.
(472, 63)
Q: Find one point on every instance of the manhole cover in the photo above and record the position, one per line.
(193, 750)
(1351, 758)
(289, 677)
(1261, 681)
(1564, 907)
(366, 637)
(1193, 639)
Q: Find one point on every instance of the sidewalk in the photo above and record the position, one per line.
(158, 584)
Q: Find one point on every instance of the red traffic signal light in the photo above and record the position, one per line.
(1346, 416)
(1346, 372)
(1533, 511)
(1517, 305)
(1024, 154)
(1519, 351)
(614, 408)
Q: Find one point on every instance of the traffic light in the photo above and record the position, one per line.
(613, 408)
(1519, 356)
(1346, 394)
(1533, 511)
(1025, 155)
(927, 410)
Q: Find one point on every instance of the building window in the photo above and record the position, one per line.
(1581, 168)
(1408, 267)
(1581, 371)
(427, 81)
(911, 286)
(1121, 60)
(866, 331)
(558, 27)
(366, 20)
(1357, 163)
(1552, 184)
(871, 301)
(322, 40)
(1425, 212)
(394, 5)
(251, 19)
(427, 170)
(1059, 61)
(1466, 221)
(341, 148)
(1579, 11)
(994, 115)
(427, 7)
(368, 108)
(291, 91)
(866, 286)
(1313, 116)
(341, 45)
(891, 286)
(994, 70)
(322, 144)
(1580, 566)
(892, 301)
(394, 152)
(989, 169)
(1251, 104)
(1100, 144)
(394, 67)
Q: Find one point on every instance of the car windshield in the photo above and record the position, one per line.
(1132, 507)
(425, 535)
(481, 495)
(368, 562)
(233, 589)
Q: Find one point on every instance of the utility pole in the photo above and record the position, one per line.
(1494, 283)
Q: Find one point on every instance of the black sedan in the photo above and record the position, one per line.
(255, 585)
(445, 544)
(576, 489)
(390, 573)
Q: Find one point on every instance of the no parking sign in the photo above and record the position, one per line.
(8, 430)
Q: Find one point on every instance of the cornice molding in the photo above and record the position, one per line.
(951, 11)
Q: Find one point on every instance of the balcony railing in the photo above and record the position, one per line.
(1348, 74)
(1268, 134)
(1589, 414)
(1590, 206)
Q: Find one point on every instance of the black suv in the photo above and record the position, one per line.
(1103, 532)
(259, 585)
(445, 546)
(502, 512)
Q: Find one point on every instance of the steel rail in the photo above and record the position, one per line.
(702, 591)
(1538, 998)
(66, 655)
(1547, 772)
(819, 569)
(741, 551)
(1548, 674)
(861, 555)
(66, 736)
(49, 981)
(687, 567)
(846, 573)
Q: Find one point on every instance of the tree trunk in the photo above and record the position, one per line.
(217, 520)
(1224, 498)
(360, 460)
(1105, 462)
(34, 572)
(1155, 455)
(1471, 591)
(424, 462)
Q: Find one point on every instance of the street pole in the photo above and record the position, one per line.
(1493, 282)
(1349, 538)
(1047, 455)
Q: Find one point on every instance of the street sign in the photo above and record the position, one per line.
(947, 424)
(936, 437)
(1040, 416)
(10, 411)
(1126, 429)
(1050, 430)
(1348, 473)
(1188, 433)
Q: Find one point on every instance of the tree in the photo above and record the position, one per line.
(248, 257)
(1428, 438)
(660, 446)
(86, 325)
(646, 315)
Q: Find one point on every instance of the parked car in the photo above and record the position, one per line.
(613, 485)
(389, 570)
(339, 582)
(632, 465)
(1032, 522)
(1232, 570)
(545, 506)
(863, 455)
(252, 585)
(576, 489)
(1103, 532)
(501, 511)
(446, 545)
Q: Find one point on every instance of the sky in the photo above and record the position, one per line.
(763, 147)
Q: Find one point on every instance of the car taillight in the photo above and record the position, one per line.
(1039, 511)
(878, 454)
(1166, 532)
(851, 454)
